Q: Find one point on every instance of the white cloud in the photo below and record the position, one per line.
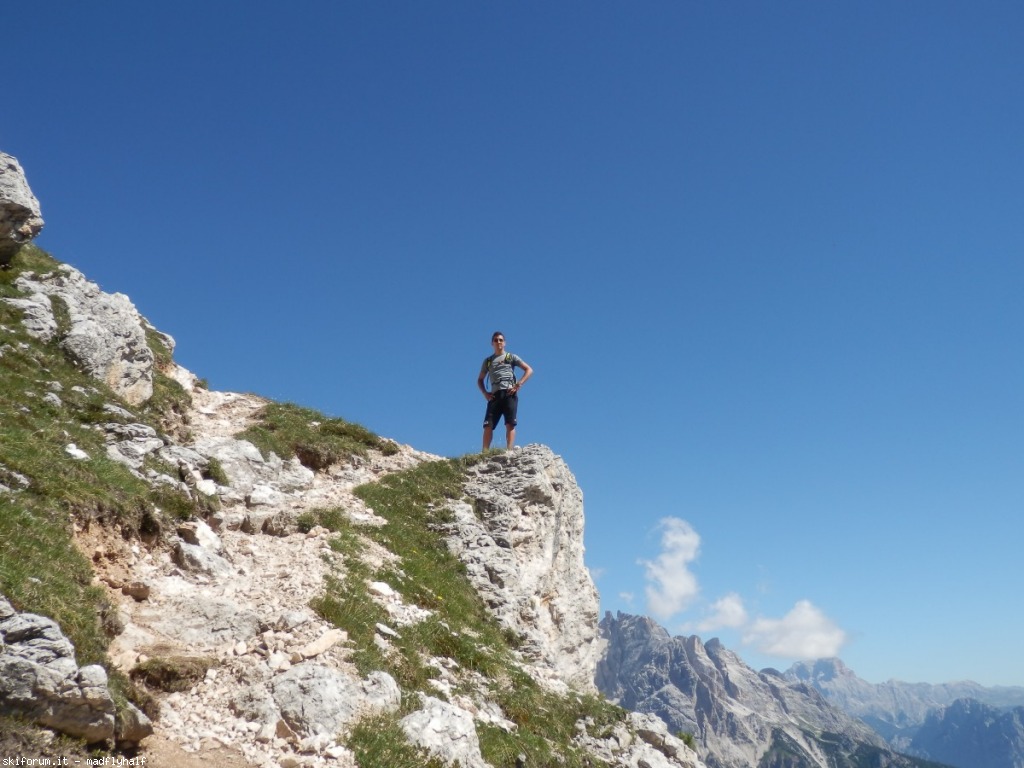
(726, 612)
(626, 597)
(803, 633)
(671, 586)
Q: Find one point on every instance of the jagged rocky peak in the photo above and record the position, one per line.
(738, 717)
(821, 671)
(521, 540)
(20, 216)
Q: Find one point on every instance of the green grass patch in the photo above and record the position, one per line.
(42, 572)
(379, 742)
(30, 258)
(414, 505)
(170, 401)
(61, 314)
(168, 404)
(333, 519)
(347, 604)
(318, 441)
(546, 724)
(215, 471)
(18, 737)
(346, 601)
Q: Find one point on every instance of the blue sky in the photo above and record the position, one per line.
(765, 259)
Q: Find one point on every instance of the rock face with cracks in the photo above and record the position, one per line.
(106, 335)
(521, 540)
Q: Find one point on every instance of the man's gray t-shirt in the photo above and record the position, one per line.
(500, 370)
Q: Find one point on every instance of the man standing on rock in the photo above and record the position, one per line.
(503, 397)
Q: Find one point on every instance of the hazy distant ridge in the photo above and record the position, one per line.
(961, 723)
(894, 706)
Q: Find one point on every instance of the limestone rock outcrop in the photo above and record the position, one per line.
(522, 543)
(255, 481)
(641, 741)
(445, 731)
(313, 699)
(40, 680)
(20, 217)
(106, 335)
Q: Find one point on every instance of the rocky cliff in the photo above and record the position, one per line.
(521, 538)
(222, 578)
(738, 717)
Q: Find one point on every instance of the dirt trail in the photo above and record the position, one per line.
(273, 578)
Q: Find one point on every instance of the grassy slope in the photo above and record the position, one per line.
(41, 571)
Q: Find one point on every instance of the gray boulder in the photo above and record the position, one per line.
(130, 444)
(132, 726)
(194, 558)
(313, 699)
(190, 463)
(253, 479)
(204, 623)
(446, 732)
(37, 315)
(20, 217)
(40, 680)
(11, 481)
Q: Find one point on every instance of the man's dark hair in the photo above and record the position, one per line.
(496, 334)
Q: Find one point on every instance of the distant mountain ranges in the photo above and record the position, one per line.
(814, 714)
(961, 723)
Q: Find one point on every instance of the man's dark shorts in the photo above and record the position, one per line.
(502, 404)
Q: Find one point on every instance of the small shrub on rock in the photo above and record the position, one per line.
(174, 673)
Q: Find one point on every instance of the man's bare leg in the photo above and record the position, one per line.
(488, 434)
(510, 437)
